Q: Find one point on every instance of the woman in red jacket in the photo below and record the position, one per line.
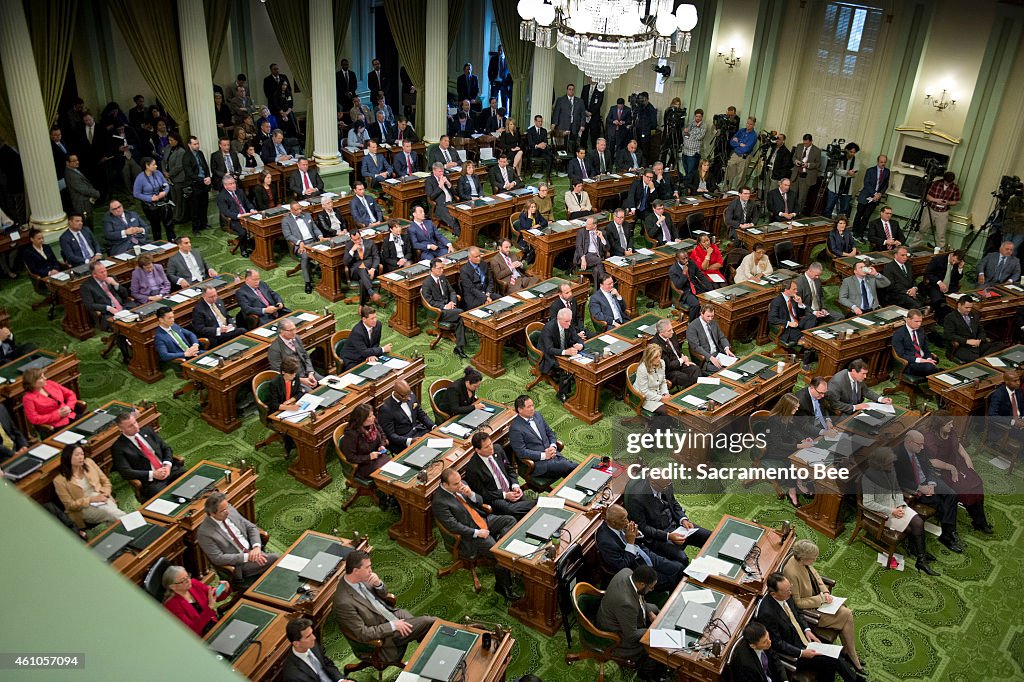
(46, 402)
(190, 600)
(707, 257)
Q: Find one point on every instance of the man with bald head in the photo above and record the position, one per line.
(289, 345)
(921, 483)
(621, 545)
(476, 281)
(559, 338)
(402, 418)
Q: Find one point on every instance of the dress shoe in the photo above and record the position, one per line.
(987, 529)
(562, 397)
(951, 544)
(375, 298)
(925, 567)
(309, 287)
(461, 353)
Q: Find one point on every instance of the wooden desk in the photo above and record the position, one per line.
(223, 381)
(331, 259)
(611, 493)
(734, 614)
(404, 193)
(557, 237)
(474, 216)
(404, 285)
(415, 529)
(13, 240)
(705, 423)
(78, 322)
(968, 396)
(278, 586)
(538, 609)
(810, 232)
(748, 301)
(379, 390)
(64, 370)
(872, 343)
(237, 483)
(773, 551)
(584, 404)
(312, 435)
(354, 156)
(498, 423)
(713, 210)
(918, 261)
(263, 661)
(39, 484)
(481, 666)
(268, 229)
(998, 313)
(135, 565)
(634, 273)
(768, 388)
(495, 330)
(608, 187)
(141, 334)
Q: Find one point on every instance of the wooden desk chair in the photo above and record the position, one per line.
(436, 387)
(696, 356)
(534, 354)
(782, 251)
(178, 365)
(363, 487)
(632, 397)
(370, 654)
(783, 347)
(260, 391)
(153, 582)
(733, 257)
(108, 341)
(338, 341)
(876, 535)
(49, 298)
(908, 384)
(526, 468)
(440, 328)
(43, 431)
(813, 616)
(695, 221)
(598, 645)
(567, 568)
(227, 571)
(996, 436)
(453, 543)
(756, 421)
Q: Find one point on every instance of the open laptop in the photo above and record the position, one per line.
(737, 547)
(1016, 357)
(112, 545)
(320, 566)
(545, 527)
(442, 664)
(192, 487)
(971, 373)
(695, 617)
(593, 481)
(475, 419)
(94, 424)
(722, 395)
(889, 314)
(421, 458)
(22, 468)
(147, 309)
(545, 288)
(233, 638)
(329, 397)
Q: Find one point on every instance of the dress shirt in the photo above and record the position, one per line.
(193, 266)
(616, 310)
(711, 339)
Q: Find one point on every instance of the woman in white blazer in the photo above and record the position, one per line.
(577, 202)
(650, 380)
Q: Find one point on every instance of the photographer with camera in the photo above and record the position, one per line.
(693, 143)
(840, 185)
(943, 194)
(780, 159)
(806, 164)
(742, 144)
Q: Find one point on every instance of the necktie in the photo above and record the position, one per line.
(919, 477)
(504, 175)
(280, 150)
(367, 207)
(643, 199)
(570, 111)
(1014, 406)
(498, 476)
(508, 262)
(817, 413)
(593, 241)
(600, 156)
(633, 156)
(88, 134)
(763, 657)
(639, 551)
(480, 522)
(536, 430)
(227, 163)
(116, 304)
(221, 320)
(814, 296)
(287, 391)
(177, 338)
(261, 296)
(865, 298)
(377, 605)
(234, 538)
(583, 169)
(305, 181)
(446, 155)
(785, 204)
(408, 161)
(423, 227)
(237, 203)
(796, 625)
(967, 321)
(792, 309)
(888, 232)
(878, 179)
(949, 273)
(711, 339)
(313, 662)
(855, 387)
(147, 451)
(616, 315)
(917, 346)
(999, 272)
(384, 130)
(84, 245)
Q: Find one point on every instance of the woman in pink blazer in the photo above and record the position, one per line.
(46, 402)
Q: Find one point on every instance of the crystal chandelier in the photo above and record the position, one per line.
(606, 38)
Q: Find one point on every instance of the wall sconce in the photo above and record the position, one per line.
(730, 60)
(942, 102)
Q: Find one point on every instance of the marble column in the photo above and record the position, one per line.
(324, 104)
(542, 86)
(433, 104)
(195, 64)
(33, 136)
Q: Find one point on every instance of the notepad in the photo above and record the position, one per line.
(861, 320)
(790, 264)
(548, 502)
(395, 469)
(526, 294)
(68, 438)
(177, 298)
(480, 313)
(666, 639)
(715, 277)
(44, 452)
(189, 293)
(393, 276)
(207, 361)
(165, 507)
(440, 443)
(124, 256)
(728, 374)
(710, 381)
(571, 494)
(61, 277)
(291, 562)
(520, 548)
(726, 360)
(133, 521)
(265, 332)
(396, 363)
(996, 362)
(693, 400)
(833, 608)
(307, 317)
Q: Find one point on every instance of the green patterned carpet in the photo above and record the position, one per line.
(963, 626)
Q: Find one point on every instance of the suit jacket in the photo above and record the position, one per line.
(601, 309)
(176, 268)
(361, 216)
(572, 167)
(870, 180)
(577, 314)
(639, 193)
(276, 391)
(497, 184)
(593, 100)
(989, 266)
(524, 440)
(615, 243)
(455, 399)
(876, 234)
(436, 193)
(474, 292)
(227, 207)
(218, 168)
(290, 229)
(803, 290)
(900, 279)
(369, 261)
(468, 87)
(221, 549)
(999, 404)
(667, 354)
(438, 294)
(39, 265)
(166, 347)
(389, 252)
(191, 166)
(550, 343)
(956, 329)
(434, 155)
(296, 669)
(577, 205)
(375, 81)
(205, 323)
(363, 622)
(71, 250)
(251, 304)
(850, 294)
(13, 432)
(95, 299)
(536, 136)
(777, 205)
(783, 163)
(745, 664)
(937, 271)
(594, 157)
(904, 345)
(278, 351)
(502, 273)
(481, 480)
(618, 134)
(401, 167)
(583, 243)
(624, 161)
(905, 468)
(655, 515)
(653, 230)
(778, 314)
(271, 87)
(133, 465)
(450, 513)
(295, 182)
(384, 133)
(397, 426)
(681, 278)
(362, 344)
(620, 612)
(369, 168)
(785, 638)
(322, 219)
(735, 215)
(806, 406)
(346, 82)
(569, 114)
(838, 244)
(813, 162)
(268, 152)
(467, 184)
(841, 395)
(113, 227)
(698, 340)
(612, 550)
(80, 190)
(408, 134)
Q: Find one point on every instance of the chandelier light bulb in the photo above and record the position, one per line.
(686, 16)
(545, 14)
(528, 9)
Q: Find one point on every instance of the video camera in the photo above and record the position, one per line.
(675, 118)
(726, 123)
(933, 168)
(769, 137)
(836, 150)
(1009, 185)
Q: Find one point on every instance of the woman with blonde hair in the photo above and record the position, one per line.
(810, 592)
(510, 144)
(650, 381)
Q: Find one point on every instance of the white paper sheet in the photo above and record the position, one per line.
(409, 677)
(264, 332)
(862, 321)
(833, 608)
(727, 360)
(729, 374)
(68, 437)
(133, 521)
(177, 298)
(393, 276)
(207, 361)
(572, 494)
(900, 563)
(830, 650)
(479, 313)
(308, 317)
(526, 294)
(395, 469)
(715, 277)
(440, 443)
(520, 548)
(165, 507)
(457, 430)
(881, 407)
(396, 363)
(698, 596)
(666, 639)
(710, 381)
(996, 362)
(947, 379)
(292, 563)
(44, 452)
(548, 502)
(693, 400)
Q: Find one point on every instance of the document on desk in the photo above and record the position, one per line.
(440, 443)
(348, 380)
(177, 298)
(995, 362)
(457, 430)
(812, 455)
(321, 247)
(165, 507)
(61, 277)
(715, 277)
(44, 452)
(549, 502)
(309, 402)
(571, 494)
(881, 407)
(666, 639)
(68, 438)
(190, 293)
(133, 521)
(526, 294)
(292, 563)
(124, 256)
(395, 469)
(862, 321)
(535, 232)
(710, 381)
(308, 317)
(686, 532)
(480, 313)
(293, 416)
(207, 361)
(264, 332)
(520, 548)
(393, 276)
(694, 400)
(726, 360)
(728, 374)
(790, 263)
(410, 677)
(830, 650)
(107, 263)
(833, 608)
(396, 363)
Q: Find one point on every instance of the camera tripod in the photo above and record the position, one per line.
(758, 177)
(672, 147)
(719, 156)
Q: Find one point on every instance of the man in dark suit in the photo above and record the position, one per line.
(780, 159)
(365, 211)
(539, 146)
(504, 177)
(459, 510)
(224, 162)
(814, 402)
(439, 294)
(921, 483)
(375, 80)
(272, 82)
(902, 290)
(78, 245)
(346, 83)
(123, 230)
(750, 660)
(467, 85)
(569, 117)
(396, 251)
(233, 206)
(306, 660)
(679, 369)
(188, 266)
(624, 611)
(531, 438)
(402, 418)
(273, 149)
(811, 292)
(777, 611)
(60, 152)
(741, 212)
(641, 196)
(593, 101)
(375, 167)
(876, 183)
(601, 158)
(885, 233)
(579, 168)
(439, 190)
(380, 130)
(606, 305)
(942, 277)
(363, 265)
(12, 442)
(787, 310)
(141, 455)
(364, 341)
(781, 202)
(566, 300)
(619, 235)
(705, 337)
(667, 531)
(1006, 406)
(911, 344)
(475, 281)
(558, 339)
(591, 248)
(490, 473)
(406, 163)
(102, 294)
(658, 225)
(617, 126)
(257, 298)
(426, 239)
(210, 319)
(621, 544)
(404, 131)
(197, 176)
(690, 280)
(629, 158)
(305, 182)
(443, 154)
(301, 234)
